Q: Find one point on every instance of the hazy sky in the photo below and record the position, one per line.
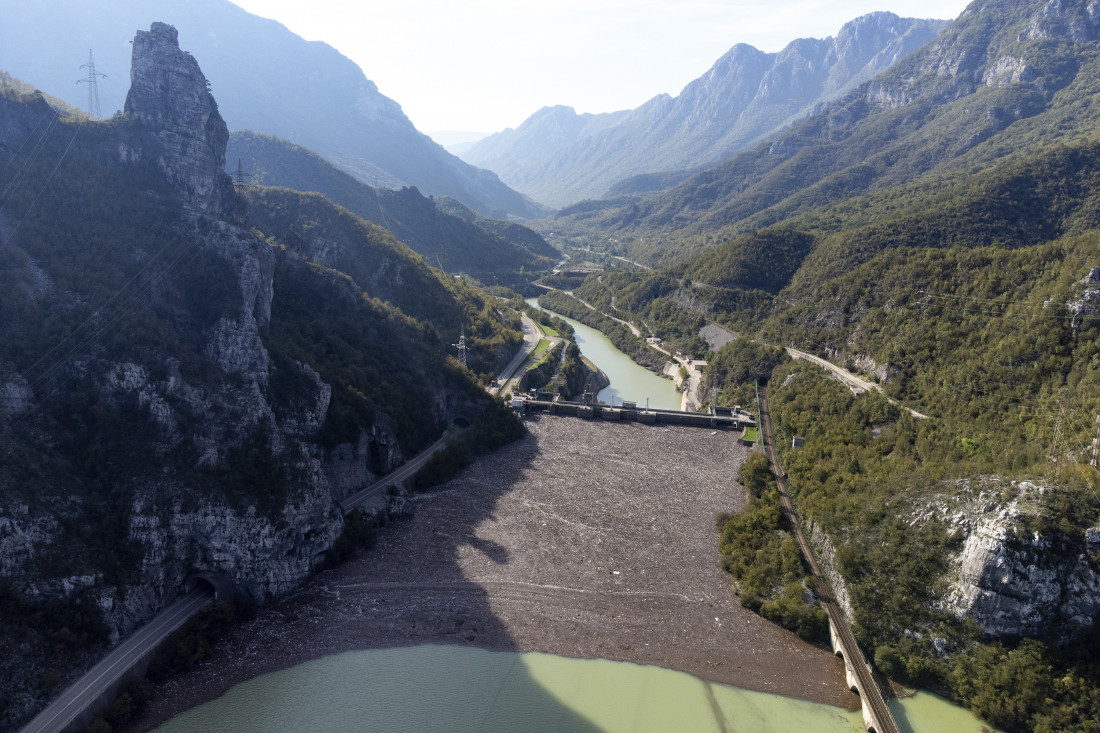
(488, 64)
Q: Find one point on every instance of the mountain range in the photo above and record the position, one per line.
(192, 372)
(190, 378)
(559, 157)
(936, 229)
(1002, 81)
(267, 80)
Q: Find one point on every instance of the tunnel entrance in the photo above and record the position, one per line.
(217, 582)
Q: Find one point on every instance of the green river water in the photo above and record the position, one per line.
(628, 380)
(467, 690)
(457, 689)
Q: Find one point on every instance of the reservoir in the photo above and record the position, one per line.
(550, 544)
(629, 381)
(430, 688)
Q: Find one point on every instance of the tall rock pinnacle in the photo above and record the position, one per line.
(170, 101)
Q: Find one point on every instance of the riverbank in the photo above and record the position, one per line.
(585, 539)
(626, 378)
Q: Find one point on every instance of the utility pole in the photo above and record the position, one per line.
(93, 85)
(1095, 462)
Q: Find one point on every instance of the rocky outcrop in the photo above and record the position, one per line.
(1086, 304)
(214, 463)
(826, 557)
(863, 363)
(1077, 21)
(951, 68)
(170, 101)
(1011, 580)
(265, 555)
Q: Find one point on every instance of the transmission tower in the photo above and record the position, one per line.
(239, 176)
(461, 346)
(93, 85)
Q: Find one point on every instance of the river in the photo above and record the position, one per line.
(628, 380)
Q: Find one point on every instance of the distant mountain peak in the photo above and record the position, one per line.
(559, 157)
(266, 78)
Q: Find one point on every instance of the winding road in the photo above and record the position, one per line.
(401, 473)
(63, 712)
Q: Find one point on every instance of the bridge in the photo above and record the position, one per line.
(716, 417)
(858, 674)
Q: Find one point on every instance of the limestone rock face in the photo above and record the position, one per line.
(215, 464)
(170, 98)
(1011, 581)
(265, 555)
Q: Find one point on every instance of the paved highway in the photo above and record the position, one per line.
(63, 711)
(408, 469)
(532, 334)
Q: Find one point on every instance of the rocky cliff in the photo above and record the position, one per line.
(267, 79)
(1011, 576)
(159, 416)
(181, 128)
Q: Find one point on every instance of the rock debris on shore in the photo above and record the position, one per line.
(585, 539)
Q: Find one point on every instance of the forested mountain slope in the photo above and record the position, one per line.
(179, 394)
(460, 244)
(939, 232)
(1004, 80)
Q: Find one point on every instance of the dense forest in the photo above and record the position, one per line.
(445, 232)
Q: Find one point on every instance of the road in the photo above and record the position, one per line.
(95, 682)
(870, 695)
(855, 383)
(408, 469)
(532, 334)
(633, 329)
(636, 264)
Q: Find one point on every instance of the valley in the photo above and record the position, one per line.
(235, 313)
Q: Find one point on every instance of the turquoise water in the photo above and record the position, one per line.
(461, 689)
(628, 380)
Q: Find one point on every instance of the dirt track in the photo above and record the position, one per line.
(584, 540)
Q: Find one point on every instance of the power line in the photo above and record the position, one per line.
(50, 114)
(32, 157)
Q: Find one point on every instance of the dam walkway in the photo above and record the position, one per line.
(720, 417)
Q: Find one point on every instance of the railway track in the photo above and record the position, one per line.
(870, 693)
